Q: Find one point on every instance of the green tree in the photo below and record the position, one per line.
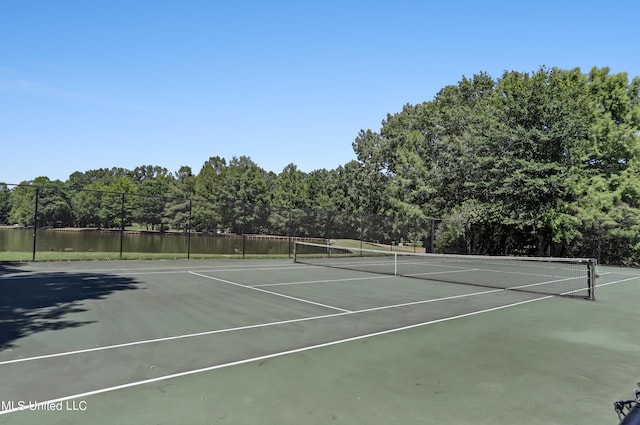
(101, 176)
(149, 172)
(291, 188)
(5, 203)
(509, 150)
(177, 211)
(87, 205)
(208, 211)
(290, 194)
(608, 195)
(148, 204)
(245, 193)
(22, 204)
(117, 202)
(613, 135)
(54, 203)
(374, 156)
(153, 184)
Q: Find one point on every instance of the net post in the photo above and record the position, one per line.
(591, 279)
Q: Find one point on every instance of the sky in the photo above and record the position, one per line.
(101, 84)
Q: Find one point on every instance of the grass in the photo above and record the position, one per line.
(353, 243)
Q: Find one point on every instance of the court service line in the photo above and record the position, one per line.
(302, 282)
(269, 292)
(616, 282)
(38, 274)
(241, 328)
(215, 270)
(267, 356)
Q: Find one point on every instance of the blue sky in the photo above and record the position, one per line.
(100, 84)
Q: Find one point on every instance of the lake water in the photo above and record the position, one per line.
(21, 240)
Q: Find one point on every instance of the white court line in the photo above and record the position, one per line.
(265, 357)
(441, 272)
(153, 270)
(241, 328)
(211, 269)
(302, 282)
(617, 281)
(269, 292)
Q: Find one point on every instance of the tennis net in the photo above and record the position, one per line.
(572, 277)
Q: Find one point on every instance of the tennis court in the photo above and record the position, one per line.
(273, 341)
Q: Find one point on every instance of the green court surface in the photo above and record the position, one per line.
(273, 342)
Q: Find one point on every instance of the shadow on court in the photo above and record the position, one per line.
(32, 303)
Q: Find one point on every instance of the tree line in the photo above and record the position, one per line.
(217, 199)
(534, 163)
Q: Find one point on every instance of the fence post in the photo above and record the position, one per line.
(599, 246)
(433, 232)
(328, 227)
(290, 229)
(189, 232)
(35, 224)
(361, 227)
(121, 224)
(244, 227)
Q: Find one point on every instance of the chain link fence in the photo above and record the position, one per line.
(51, 222)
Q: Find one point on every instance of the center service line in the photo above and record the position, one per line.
(269, 292)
